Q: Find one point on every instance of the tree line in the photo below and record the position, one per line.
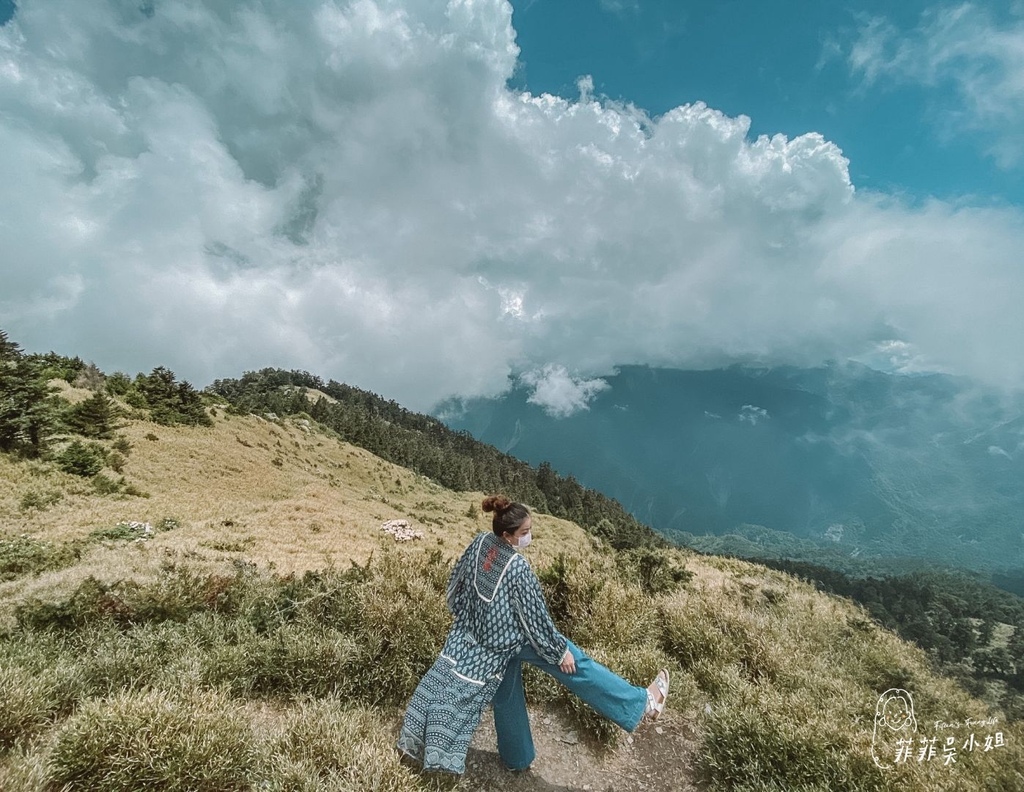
(426, 446)
(34, 418)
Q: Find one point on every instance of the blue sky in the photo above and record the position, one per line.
(785, 66)
(431, 199)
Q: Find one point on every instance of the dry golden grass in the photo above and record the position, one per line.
(281, 495)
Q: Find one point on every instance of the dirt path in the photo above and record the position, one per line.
(657, 758)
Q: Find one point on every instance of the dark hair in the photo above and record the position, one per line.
(508, 515)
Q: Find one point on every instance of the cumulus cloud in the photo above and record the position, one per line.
(970, 56)
(558, 392)
(351, 187)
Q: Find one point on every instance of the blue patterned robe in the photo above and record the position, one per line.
(498, 607)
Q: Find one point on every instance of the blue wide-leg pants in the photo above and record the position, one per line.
(603, 690)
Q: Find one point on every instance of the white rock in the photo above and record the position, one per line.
(401, 530)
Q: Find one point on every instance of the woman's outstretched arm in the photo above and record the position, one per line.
(532, 612)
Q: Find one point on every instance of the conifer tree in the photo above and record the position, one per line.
(27, 409)
(93, 417)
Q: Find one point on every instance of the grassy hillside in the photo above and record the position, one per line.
(284, 495)
(267, 634)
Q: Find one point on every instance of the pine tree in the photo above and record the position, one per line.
(93, 417)
(27, 407)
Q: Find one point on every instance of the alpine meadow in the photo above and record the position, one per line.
(196, 593)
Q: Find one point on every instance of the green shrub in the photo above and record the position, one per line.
(761, 741)
(694, 632)
(23, 555)
(571, 587)
(122, 445)
(44, 674)
(653, 570)
(87, 604)
(342, 749)
(125, 531)
(168, 524)
(178, 593)
(113, 661)
(24, 704)
(104, 485)
(81, 460)
(402, 620)
(39, 500)
(198, 741)
(294, 660)
(132, 490)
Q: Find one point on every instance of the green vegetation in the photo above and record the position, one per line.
(426, 446)
(167, 400)
(23, 555)
(35, 422)
(93, 417)
(229, 677)
(80, 459)
(250, 680)
(28, 410)
(951, 615)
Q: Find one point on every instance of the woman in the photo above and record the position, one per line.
(501, 620)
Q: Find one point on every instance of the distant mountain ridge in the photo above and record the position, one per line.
(856, 462)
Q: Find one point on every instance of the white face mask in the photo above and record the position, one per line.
(524, 540)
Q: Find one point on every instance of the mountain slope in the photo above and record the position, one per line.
(241, 620)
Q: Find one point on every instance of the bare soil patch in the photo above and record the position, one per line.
(656, 758)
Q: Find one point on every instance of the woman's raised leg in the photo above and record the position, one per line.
(602, 689)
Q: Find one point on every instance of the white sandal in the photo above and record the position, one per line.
(655, 708)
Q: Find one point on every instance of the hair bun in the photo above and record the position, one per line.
(496, 503)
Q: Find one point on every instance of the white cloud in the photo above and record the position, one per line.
(973, 60)
(351, 188)
(997, 451)
(752, 414)
(559, 393)
(620, 6)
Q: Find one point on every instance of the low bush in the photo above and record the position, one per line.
(344, 749)
(199, 741)
(125, 531)
(401, 618)
(104, 485)
(752, 747)
(654, 571)
(122, 445)
(24, 705)
(293, 661)
(24, 555)
(39, 500)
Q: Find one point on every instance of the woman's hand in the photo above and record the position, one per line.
(568, 664)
